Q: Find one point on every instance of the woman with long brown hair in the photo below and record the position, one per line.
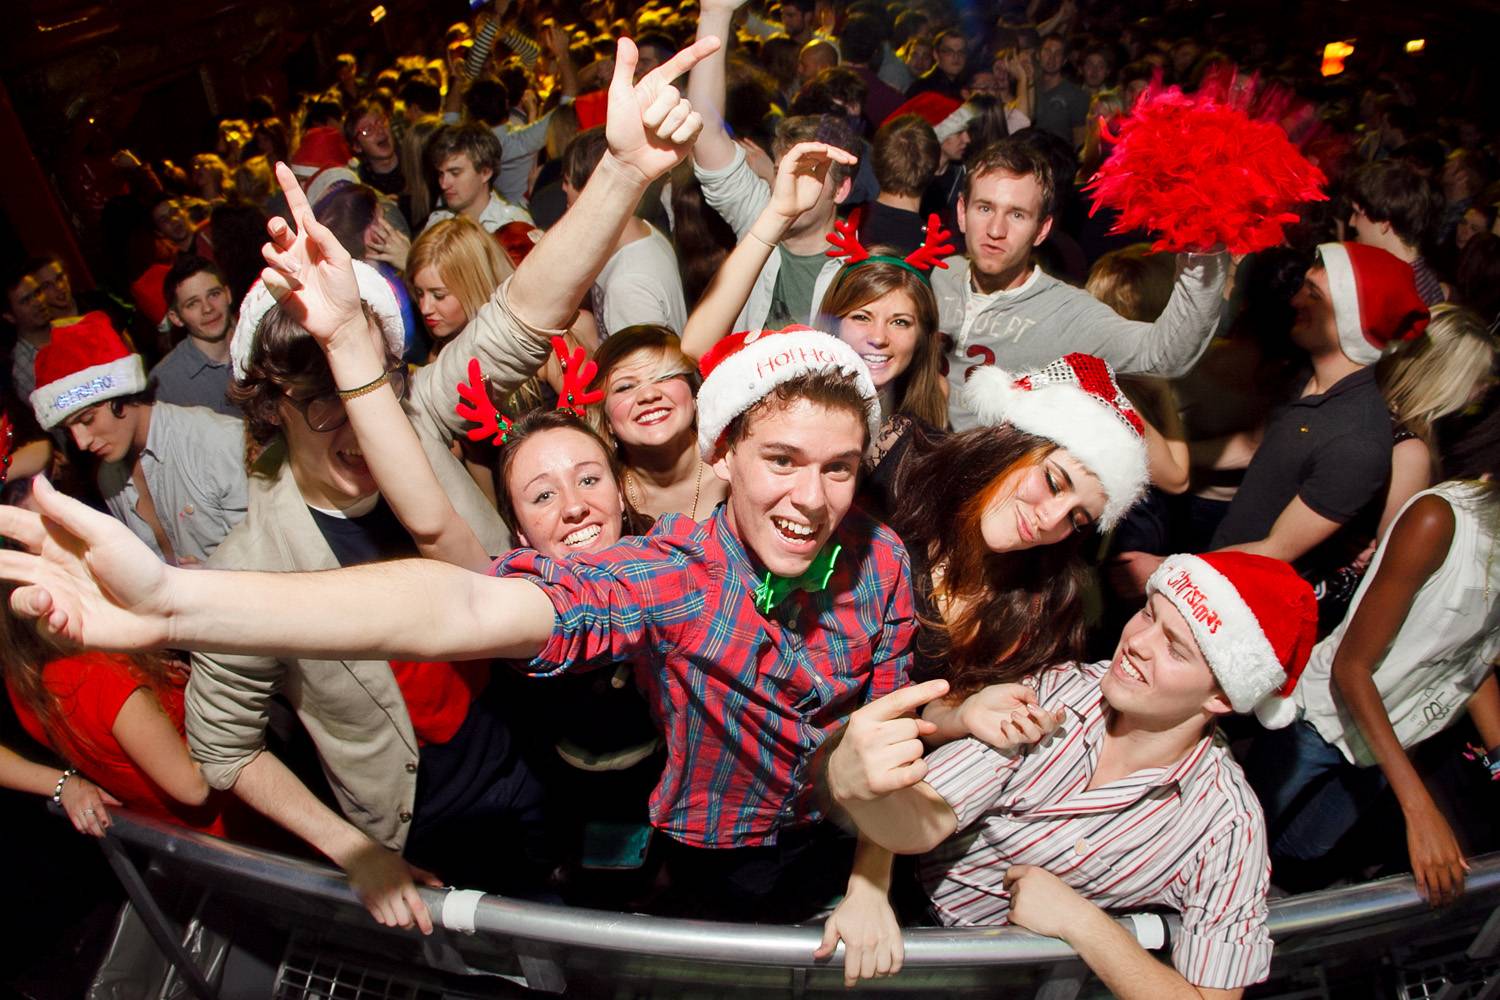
(118, 720)
(995, 519)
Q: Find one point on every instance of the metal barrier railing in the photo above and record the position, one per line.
(547, 947)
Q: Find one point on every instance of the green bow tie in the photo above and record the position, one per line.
(773, 589)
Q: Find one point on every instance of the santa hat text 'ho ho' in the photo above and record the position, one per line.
(744, 368)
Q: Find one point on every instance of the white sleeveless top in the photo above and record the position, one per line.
(1444, 649)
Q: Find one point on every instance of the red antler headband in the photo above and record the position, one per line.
(475, 404)
(924, 258)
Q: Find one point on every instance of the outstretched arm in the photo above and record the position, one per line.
(799, 182)
(86, 577)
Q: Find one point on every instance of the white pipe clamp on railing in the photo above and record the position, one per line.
(459, 907)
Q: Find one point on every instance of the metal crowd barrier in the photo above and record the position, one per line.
(294, 929)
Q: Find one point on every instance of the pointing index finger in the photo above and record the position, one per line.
(686, 59)
(296, 199)
(909, 698)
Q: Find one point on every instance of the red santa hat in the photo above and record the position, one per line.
(592, 109)
(86, 362)
(1255, 621)
(947, 115)
(1375, 300)
(1076, 403)
(374, 290)
(744, 368)
(321, 148)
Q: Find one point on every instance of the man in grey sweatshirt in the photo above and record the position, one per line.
(998, 308)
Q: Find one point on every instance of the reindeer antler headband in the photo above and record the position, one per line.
(475, 404)
(921, 260)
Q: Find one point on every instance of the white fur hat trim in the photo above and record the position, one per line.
(767, 360)
(373, 289)
(1074, 419)
(57, 401)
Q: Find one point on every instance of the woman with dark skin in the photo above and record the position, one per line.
(1417, 650)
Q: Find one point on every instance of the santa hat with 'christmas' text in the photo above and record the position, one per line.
(1375, 300)
(374, 290)
(744, 368)
(1255, 621)
(85, 362)
(1076, 403)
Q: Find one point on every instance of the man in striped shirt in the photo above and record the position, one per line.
(1112, 792)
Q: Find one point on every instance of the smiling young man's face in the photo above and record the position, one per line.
(791, 480)
(1159, 675)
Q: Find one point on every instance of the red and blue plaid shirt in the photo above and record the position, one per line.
(744, 699)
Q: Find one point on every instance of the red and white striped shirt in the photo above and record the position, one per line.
(1190, 837)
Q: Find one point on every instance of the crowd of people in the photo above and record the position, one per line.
(683, 460)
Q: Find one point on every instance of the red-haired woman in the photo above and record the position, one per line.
(995, 519)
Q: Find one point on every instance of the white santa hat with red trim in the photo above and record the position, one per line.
(85, 362)
(744, 368)
(1075, 403)
(1375, 300)
(1255, 620)
(374, 290)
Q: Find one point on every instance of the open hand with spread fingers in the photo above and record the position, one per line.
(84, 576)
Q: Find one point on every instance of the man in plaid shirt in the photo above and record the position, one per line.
(757, 632)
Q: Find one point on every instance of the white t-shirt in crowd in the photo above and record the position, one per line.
(640, 284)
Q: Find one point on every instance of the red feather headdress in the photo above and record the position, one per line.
(1202, 171)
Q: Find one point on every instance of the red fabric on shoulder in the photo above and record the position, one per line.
(90, 689)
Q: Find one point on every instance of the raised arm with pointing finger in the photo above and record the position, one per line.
(346, 686)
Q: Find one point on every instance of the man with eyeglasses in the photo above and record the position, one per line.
(367, 126)
(415, 759)
(946, 77)
(172, 474)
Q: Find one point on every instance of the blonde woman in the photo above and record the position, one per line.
(454, 268)
(1422, 380)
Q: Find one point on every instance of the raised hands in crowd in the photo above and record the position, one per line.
(1011, 463)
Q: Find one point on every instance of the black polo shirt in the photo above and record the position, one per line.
(1334, 451)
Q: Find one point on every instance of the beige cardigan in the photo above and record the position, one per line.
(352, 708)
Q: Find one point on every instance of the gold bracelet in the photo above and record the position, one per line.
(760, 239)
(364, 390)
